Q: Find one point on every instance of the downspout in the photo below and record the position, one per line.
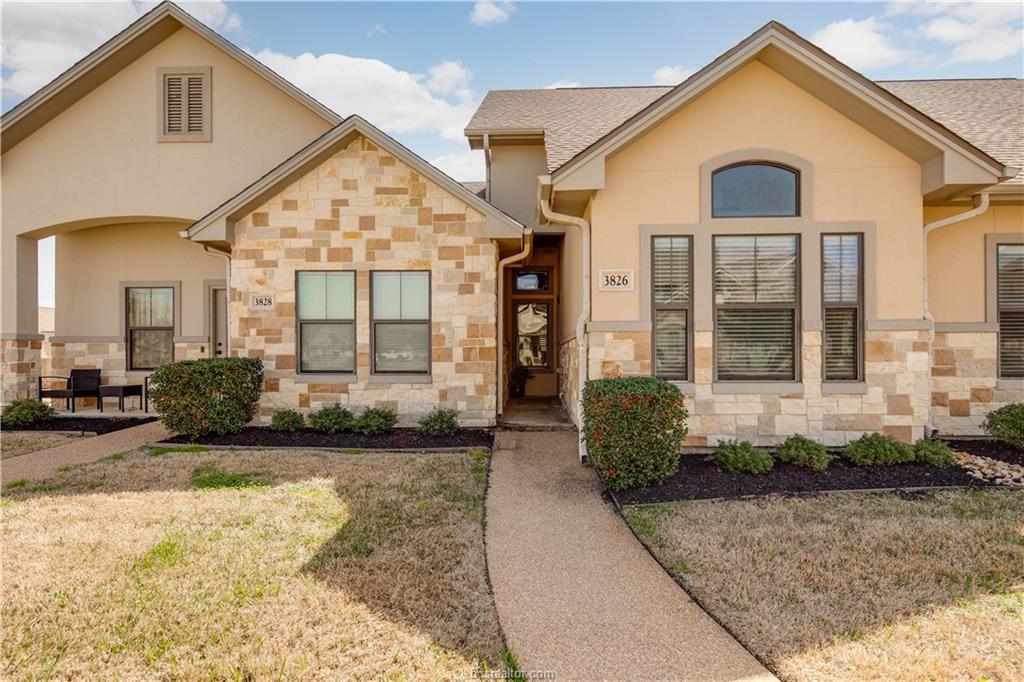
(980, 207)
(581, 322)
(227, 285)
(515, 258)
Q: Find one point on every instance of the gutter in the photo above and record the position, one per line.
(981, 206)
(515, 258)
(227, 285)
(581, 322)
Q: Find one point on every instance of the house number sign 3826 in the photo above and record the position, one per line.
(615, 280)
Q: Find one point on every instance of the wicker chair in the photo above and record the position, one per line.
(83, 383)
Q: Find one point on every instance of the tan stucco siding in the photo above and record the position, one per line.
(92, 264)
(855, 176)
(956, 260)
(101, 158)
(514, 171)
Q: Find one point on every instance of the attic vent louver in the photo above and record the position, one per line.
(185, 98)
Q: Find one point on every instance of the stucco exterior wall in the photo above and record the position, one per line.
(364, 210)
(93, 263)
(956, 260)
(514, 171)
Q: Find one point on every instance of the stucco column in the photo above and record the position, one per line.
(20, 342)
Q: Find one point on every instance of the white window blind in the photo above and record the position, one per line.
(841, 285)
(400, 313)
(671, 282)
(326, 304)
(1010, 304)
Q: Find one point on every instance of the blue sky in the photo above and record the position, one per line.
(418, 70)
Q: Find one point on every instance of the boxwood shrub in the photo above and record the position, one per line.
(741, 457)
(1006, 424)
(287, 420)
(212, 395)
(375, 421)
(876, 448)
(634, 428)
(332, 419)
(27, 412)
(439, 422)
(934, 452)
(804, 452)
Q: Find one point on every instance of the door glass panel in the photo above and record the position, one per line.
(532, 334)
(533, 280)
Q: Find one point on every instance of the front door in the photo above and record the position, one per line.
(219, 323)
(532, 315)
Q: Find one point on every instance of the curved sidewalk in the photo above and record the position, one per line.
(43, 463)
(576, 593)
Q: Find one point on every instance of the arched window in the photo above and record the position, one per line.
(757, 189)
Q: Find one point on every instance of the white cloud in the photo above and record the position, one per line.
(671, 75)
(394, 100)
(865, 44)
(42, 39)
(377, 30)
(978, 31)
(463, 166)
(563, 84)
(489, 12)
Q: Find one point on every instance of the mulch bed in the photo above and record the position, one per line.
(97, 425)
(700, 480)
(399, 439)
(986, 447)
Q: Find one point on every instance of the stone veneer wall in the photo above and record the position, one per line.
(365, 210)
(896, 400)
(20, 368)
(569, 379)
(965, 386)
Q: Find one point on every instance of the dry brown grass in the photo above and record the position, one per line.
(321, 567)
(14, 443)
(857, 586)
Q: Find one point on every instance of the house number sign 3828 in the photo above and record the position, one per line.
(261, 302)
(615, 280)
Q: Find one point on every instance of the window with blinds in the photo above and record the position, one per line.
(1010, 307)
(400, 319)
(150, 326)
(672, 305)
(186, 104)
(841, 295)
(756, 304)
(326, 312)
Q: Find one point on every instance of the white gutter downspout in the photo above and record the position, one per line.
(522, 255)
(227, 286)
(980, 207)
(581, 322)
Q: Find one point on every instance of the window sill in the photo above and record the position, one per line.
(325, 378)
(844, 388)
(685, 387)
(754, 387)
(400, 379)
(1010, 384)
(138, 373)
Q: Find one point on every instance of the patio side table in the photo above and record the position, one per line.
(127, 391)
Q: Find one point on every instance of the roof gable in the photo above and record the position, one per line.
(218, 225)
(124, 48)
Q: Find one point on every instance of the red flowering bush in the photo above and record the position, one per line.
(634, 428)
(213, 395)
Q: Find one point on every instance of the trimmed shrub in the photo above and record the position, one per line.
(934, 453)
(439, 422)
(803, 452)
(875, 448)
(633, 428)
(741, 457)
(27, 412)
(212, 395)
(332, 419)
(1006, 424)
(287, 420)
(375, 421)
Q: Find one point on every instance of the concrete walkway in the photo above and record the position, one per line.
(576, 593)
(43, 463)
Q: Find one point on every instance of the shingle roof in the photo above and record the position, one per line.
(476, 187)
(988, 113)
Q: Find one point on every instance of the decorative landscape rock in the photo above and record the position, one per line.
(992, 470)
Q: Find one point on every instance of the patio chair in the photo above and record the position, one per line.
(82, 383)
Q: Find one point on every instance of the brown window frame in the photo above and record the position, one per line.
(858, 306)
(688, 307)
(300, 322)
(797, 189)
(528, 270)
(129, 328)
(428, 322)
(999, 319)
(205, 73)
(795, 307)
